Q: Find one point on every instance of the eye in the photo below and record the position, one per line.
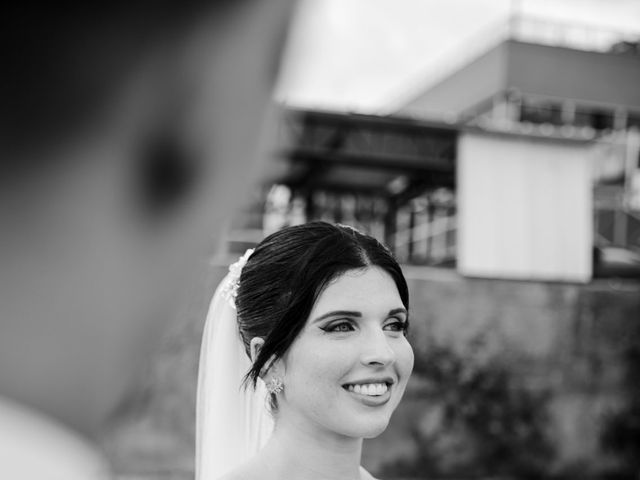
(339, 327)
(397, 325)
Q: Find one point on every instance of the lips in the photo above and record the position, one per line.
(371, 387)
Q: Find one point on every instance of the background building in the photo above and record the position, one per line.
(533, 141)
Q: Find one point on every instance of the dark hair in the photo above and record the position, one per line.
(288, 271)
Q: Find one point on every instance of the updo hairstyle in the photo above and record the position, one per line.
(286, 274)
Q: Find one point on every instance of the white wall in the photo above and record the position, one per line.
(525, 208)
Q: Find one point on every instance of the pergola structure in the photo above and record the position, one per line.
(356, 152)
(392, 160)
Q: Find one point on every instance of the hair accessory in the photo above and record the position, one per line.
(232, 282)
(275, 385)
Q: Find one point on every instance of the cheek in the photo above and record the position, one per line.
(404, 358)
(310, 371)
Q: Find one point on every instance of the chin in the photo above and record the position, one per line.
(365, 427)
(373, 433)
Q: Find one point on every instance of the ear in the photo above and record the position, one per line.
(273, 364)
(254, 347)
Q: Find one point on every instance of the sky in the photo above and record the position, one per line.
(370, 55)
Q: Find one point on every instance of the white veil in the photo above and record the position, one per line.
(232, 422)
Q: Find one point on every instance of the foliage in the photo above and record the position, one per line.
(621, 432)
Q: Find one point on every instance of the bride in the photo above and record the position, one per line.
(304, 355)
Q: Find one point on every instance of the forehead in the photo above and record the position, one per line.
(371, 288)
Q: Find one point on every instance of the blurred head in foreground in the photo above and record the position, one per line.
(127, 134)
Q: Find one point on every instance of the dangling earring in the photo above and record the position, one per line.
(275, 385)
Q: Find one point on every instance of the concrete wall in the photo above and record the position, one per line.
(585, 77)
(588, 78)
(474, 83)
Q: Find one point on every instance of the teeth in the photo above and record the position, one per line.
(372, 389)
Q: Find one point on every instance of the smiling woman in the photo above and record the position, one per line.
(347, 369)
(320, 329)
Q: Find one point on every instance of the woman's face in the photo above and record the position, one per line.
(348, 368)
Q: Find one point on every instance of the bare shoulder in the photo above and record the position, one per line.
(244, 472)
(237, 475)
(231, 476)
(248, 472)
(366, 475)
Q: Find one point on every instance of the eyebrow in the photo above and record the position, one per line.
(395, 311)
(344, 313)
(348, 313)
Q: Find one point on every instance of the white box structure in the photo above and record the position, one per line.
(525, 207)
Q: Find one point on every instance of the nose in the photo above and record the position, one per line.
(377, 350)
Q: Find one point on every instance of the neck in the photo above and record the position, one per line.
(311, 454)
